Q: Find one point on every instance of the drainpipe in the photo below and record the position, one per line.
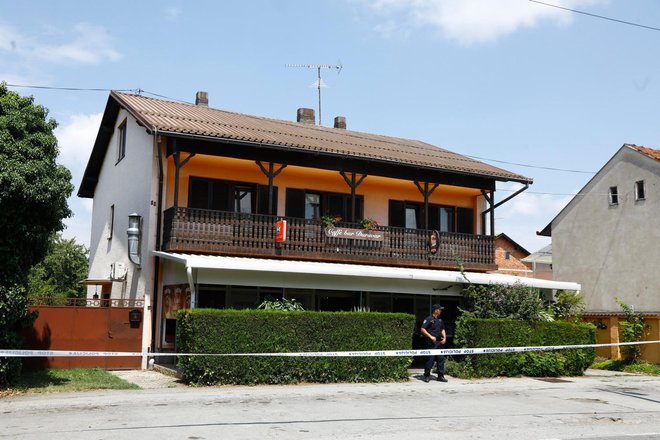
(191, 282)
(159, 204)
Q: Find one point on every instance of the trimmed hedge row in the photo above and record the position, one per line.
(471, 332)
(262, 331)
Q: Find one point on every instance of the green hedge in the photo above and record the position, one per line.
(472, 332)
(261, 331)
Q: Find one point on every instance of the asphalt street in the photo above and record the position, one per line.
(590, 407)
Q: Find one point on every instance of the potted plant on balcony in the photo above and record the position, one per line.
(368, 223)
(330, 221)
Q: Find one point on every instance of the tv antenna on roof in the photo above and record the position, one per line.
(319, 83)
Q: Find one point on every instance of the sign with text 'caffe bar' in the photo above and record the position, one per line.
(354, 234)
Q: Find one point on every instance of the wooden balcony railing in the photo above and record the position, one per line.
(231, 233)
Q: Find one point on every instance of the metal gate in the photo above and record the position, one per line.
(85, 325)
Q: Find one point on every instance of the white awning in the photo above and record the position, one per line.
(307, 268)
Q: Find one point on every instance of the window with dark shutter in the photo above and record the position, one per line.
(295, 203)
(397, 214)
(465, 220)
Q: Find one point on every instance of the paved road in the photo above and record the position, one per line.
(611, 407)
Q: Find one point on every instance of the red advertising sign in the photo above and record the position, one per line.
(280, 231)
(433, 242)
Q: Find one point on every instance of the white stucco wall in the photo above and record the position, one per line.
(613, 251)
(131, 185)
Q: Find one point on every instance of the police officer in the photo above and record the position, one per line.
(434, 329)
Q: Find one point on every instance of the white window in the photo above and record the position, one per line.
(640, 191)
(121, 141)
(614, 196)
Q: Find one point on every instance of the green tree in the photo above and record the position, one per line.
(59, 273)
(631, 330)
(568, 306)
(33, 194)
(503, 301)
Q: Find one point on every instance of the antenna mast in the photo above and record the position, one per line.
(318, 68)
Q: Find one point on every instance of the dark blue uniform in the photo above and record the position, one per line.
(434, 326)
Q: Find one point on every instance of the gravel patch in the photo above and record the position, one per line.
(148, 379)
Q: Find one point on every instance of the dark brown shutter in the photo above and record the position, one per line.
(198, 194)
(222, 196)
(295, 203)
(262, 200)
(434, 217)
(397, 214)
(465, 220)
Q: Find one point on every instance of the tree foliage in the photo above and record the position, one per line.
(631, 330)
(568, 306)
(33, 194)
(59, 273)
(516, 302)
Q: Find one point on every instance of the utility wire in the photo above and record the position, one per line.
(530, 166)
(596, 15)
(24, 86)
(137, 91)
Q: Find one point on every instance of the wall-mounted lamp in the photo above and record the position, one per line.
(134, 232)
(135, 318)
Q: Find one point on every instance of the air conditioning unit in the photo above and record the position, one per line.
(118, 271)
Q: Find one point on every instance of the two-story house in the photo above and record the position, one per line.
(607, 238)
(230, 208)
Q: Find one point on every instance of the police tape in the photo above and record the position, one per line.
(375, 353)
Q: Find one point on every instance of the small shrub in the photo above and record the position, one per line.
(632, 330)
(568, 306)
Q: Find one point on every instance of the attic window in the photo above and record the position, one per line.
(614, 196)
(640, 192)
(121, 141)
(507, 255)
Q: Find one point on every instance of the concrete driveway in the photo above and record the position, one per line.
(594, 407)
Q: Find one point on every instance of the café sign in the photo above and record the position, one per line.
(354, 234)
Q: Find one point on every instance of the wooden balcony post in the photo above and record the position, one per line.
(353, 184)
(271, 173)
(426, 192)
(178, 164)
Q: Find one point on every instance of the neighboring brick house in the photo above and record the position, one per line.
(508, 256)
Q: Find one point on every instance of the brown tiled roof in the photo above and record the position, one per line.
(650, 152)
(189, 119)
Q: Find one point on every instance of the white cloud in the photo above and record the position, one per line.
(75, 139)
(472, 21)
(88, 44)
(172, 13)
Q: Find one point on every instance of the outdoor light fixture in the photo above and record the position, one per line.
(134, 318)
(134, 232)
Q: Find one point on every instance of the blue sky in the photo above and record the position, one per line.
(509, 80)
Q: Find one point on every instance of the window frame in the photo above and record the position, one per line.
(121, 141)
(640, 184)
(112, 221)
(613, 195)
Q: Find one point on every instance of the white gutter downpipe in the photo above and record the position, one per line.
(191, 282)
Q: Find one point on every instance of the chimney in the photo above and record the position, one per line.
(306, 116)
(202, 99)
(340, 122)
